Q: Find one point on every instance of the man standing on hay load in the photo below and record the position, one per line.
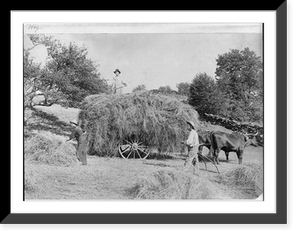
(81, 136)
(118, 84)
(193, 144)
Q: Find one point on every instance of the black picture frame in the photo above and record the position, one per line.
(280, 217)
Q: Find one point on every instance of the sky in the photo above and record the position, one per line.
(157, 58)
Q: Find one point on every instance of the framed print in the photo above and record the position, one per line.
(136, 117)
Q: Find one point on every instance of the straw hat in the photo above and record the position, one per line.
(191, 123)
(117, 70)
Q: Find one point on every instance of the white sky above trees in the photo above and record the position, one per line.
(153, 55)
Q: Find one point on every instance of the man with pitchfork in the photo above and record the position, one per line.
(192, 144)
(82, 142)
(118, 84)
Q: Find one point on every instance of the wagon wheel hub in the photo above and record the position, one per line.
(135, 146)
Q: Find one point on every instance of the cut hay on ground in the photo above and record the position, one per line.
(171, 184)
(47, 148)
(248, 178)
(31, 180)
(158, 120)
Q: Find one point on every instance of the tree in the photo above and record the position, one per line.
(183, 88)
(39, 39)
(70, 72)
(139, 88)
(204, 95)
(165, 89)
(68, 76)
(31, 72)
(239, 76)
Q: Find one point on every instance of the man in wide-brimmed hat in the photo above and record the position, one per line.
(81, 137)
(193, 144)
(118, 84)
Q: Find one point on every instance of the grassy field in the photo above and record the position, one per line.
(116, 178)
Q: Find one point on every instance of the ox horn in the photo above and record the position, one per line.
(252, 134)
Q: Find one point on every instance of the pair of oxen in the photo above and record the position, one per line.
(216, 141)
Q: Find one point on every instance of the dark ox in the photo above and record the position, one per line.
(233, 142)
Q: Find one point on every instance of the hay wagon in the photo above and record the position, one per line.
(133, 125)
(135, 148)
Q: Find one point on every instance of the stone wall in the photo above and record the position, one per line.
(238, 126)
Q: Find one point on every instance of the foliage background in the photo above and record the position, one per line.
(68, 76)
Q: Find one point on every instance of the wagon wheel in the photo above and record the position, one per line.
(134, 149)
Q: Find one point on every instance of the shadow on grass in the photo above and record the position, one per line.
(46, 122)
(160, 156)
(157, 164)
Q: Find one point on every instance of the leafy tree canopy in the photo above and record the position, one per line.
(68, 76)
(239, 76)
(165, 89)
(204, 95)
(139, 88)
(239, 73)
(183, 88)
(237, 90)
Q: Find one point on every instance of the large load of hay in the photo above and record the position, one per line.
(157, 120)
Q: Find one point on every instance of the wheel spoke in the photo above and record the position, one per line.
(139, 154)
(144, 147)
(143, 151)
(129, 143)
(129, 154)
(126, 149)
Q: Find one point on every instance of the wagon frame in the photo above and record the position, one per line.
(135, 148)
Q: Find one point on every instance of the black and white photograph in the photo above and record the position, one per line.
(143, 111)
